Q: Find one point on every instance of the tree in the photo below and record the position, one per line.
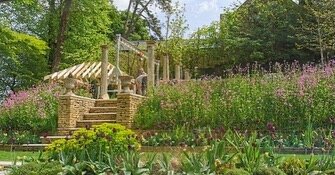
(203, 47)
(71, 39)
(141, 8)
(140, 29)
(317, 27)
(260, 31)
(22, 60)
(61, 35)
(174, 44)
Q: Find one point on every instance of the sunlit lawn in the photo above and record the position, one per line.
(11, 156)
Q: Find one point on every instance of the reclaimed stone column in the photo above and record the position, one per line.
(151, 63)
(177, 72)
(104, 73)
(127, 105)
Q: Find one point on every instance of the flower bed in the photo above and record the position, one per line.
(290, 99)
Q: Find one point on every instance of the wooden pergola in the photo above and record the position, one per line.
(84, 72)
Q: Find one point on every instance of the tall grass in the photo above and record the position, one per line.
(288, 99)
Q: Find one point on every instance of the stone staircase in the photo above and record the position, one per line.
(77, 112)
(104, 111)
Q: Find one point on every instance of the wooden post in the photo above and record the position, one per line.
(104, 73)
(151, 63)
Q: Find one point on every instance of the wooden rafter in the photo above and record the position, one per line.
(84, 71)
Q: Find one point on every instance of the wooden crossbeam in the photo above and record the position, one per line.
(69, 71)
(88, 70)
(132, 47)
(77, 75)
(78, 69)
(97, 67)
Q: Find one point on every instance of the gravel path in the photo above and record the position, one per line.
(6, 164)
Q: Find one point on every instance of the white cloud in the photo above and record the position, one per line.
(208, 5)
(121, 4)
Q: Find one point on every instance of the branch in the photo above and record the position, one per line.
(3, 1)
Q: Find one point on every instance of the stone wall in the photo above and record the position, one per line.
(127, 105)
(71, 109)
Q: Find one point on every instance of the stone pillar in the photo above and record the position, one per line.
(71, 109)
(187, 74)
(177, 72)
(104, 73)
(157, 74)
(165, 61)
(151, 64)
(127, 105)
(167, 68)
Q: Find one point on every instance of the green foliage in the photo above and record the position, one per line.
(236, 172)
(19, 56)
(249, 151)
(27, 114)
(88, 28)
(293, 166)
(182, 137)
(269, 171)
(33, 168)
(92, 144)
(18, 137)
(316, 26)
(244, 102)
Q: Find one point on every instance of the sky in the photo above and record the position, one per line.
(198, 12)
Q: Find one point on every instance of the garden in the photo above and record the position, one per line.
(250, 122)
(258, 100)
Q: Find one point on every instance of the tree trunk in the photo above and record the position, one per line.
(135, 19)
(61, 35)
(320, 41)
(129, 24)
(51, 30)
(127, 17)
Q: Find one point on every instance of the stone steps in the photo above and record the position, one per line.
(103, 110)
(49, 139)
(66, 131)
(99, 116)
(106, 103)
(90, 123)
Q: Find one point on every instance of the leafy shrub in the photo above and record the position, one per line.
(236, 172)
(91, 143)
(181, 137)
(245, 102)
(18, 137)
(269, 171)
(35, 168)
(293, 166)
(33, 111)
